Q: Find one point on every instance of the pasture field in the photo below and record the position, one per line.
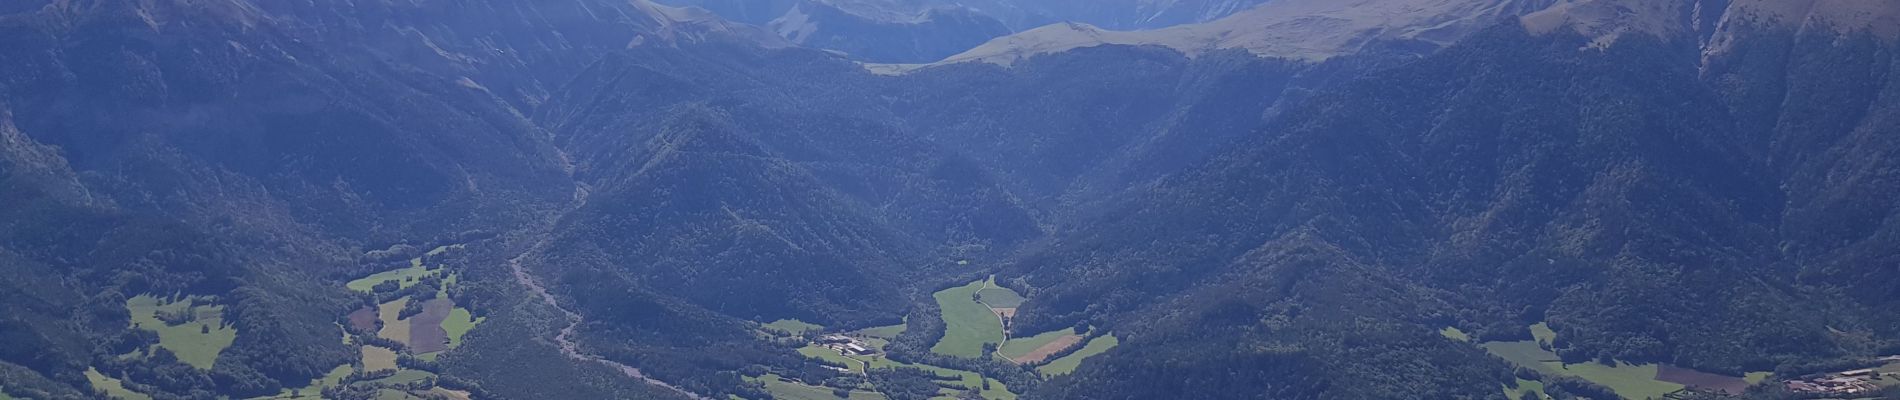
(113, 387)
(797, 391)
(792, 327)
(196, 342)
(1454, 333)
(393, 329)
(1757, 377)
(459, 322)
(1067, 364)
(1016, 348)
(885, 332)
(1629, 380)
(404, 376)
(377, 359)
(315, 389)
(1523, 384)
(966, 378)
(3, 394)
(405, 277)
(1542, 333)
(449, 394)
(393, 394)
(967, 324)
(998, 296)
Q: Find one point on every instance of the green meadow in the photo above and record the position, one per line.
(885, 332)
(459, 322)
(1629, 380)
(198, 341)
(393, 328)
(315, 389)
(998, 296)
(967, 323)
(1522, 385)
(783, 390)
(1454, 333)
(378, 358)
(405, 277)
(1757, 377)
(1542, 333)
(1067, 364)
(793, 327)
(1018, 347)
(113, 387)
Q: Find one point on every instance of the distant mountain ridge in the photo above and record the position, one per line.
(1317, 30)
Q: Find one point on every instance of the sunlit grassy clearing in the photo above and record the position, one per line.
(793, 326)
(404, 376)
(315, 390)
(1454, 333)
(967, 323)
(113, 387)
(1522, 385)
(198, 342)
(885, 332)
(783, 390)
(1632, 381)
(405, 277)
(1021, 346)
(393, 328)
(1757, 377)
(1542, 333)
(459, 322)
(393, 394)
(377, 359)
(998, 296)
(1067, 364)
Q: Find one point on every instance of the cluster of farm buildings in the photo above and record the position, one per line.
(846, 345)
(1845, 383)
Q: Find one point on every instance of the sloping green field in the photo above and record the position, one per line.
(405, 277)
(1018, 347)
(998, 296)
(1629, 380)
(113, 387)
(967, 323)
(793, 327)
(783, 390)
(885, 332)
(197, 342)
(1067, 364)
(459, 322)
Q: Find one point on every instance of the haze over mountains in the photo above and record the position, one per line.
(1282, 199)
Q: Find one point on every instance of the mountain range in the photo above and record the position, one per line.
(1283, 199)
